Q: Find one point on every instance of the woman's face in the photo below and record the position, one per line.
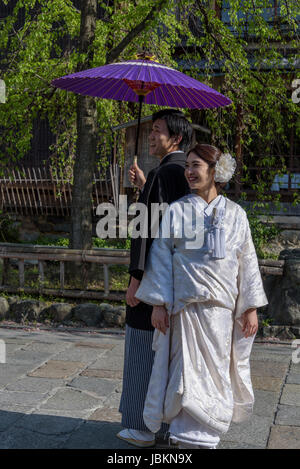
(199, 175)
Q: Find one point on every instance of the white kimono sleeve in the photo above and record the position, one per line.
(251, 294)
(156, 287)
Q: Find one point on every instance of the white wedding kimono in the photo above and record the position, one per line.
(200, 379)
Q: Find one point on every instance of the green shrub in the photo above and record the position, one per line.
(117, 243)
(46, 241)
(262, 233)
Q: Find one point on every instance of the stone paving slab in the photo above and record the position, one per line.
(254, 432)
(95, 345)
(288, 415)
(57, 369)
(291, 395)
(271, 357)
(100, 387)
(49, 424)
(113, 401)
(111, 362)
(81, 415)
(273, 347)
(295, 368)
(9, 416)
(106, 415)
(9, 373)
(30, 384)
(13, 346)
(14, 340)
(97, 435)
(266, 383)
(71, 399)
(119, 350)
(102, 373)
(18, 438)
(26, 357)
(80, 354)
(21, 398)
(284, 437)
(269, 369)
(265, 403)
(237, 445)
(48, 347)
(293, 378)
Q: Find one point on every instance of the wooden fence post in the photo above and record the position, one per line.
(106, 279)
(21, 273)
(62, 274)
(5, 272)
(41, 273)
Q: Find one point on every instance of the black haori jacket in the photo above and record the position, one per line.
(166, 183)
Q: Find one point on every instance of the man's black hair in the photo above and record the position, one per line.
(177, 125)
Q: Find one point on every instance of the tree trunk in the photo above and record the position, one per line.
(81, 232)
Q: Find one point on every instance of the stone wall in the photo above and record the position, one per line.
(284, 292)
(283, 311)
(288, 238)
(31, 227)
(86, 314)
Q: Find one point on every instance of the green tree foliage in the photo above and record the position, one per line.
(35, 56)
(257, 49)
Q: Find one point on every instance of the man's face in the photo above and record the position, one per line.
(160, 142)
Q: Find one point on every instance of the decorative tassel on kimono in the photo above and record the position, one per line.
(216, 234)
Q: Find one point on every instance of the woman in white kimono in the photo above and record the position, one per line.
(205, 291)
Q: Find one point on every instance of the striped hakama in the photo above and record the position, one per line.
(138, 362)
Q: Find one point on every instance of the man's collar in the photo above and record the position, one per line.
(168, 154)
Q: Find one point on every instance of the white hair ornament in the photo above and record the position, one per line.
(225, 167)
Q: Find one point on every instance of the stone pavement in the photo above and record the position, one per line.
(61, 389)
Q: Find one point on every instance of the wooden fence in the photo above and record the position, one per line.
(23, 253)
(35, 191)
(104, 256)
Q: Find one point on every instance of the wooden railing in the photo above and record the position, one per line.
(24, 253)
(270, 266)
(103, 256)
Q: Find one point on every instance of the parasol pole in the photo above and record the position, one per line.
(141, 99)
(138, 86)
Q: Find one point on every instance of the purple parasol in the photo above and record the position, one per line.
(143, 80)
(163, 85)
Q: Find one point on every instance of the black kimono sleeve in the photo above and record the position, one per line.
(164, 184)
(167, 185)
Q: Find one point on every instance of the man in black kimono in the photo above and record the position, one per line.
(170, 137)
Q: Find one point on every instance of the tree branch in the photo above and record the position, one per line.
(114, 53)
(219, 45)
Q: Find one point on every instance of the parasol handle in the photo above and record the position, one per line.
(141, 99)
(134, 162)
